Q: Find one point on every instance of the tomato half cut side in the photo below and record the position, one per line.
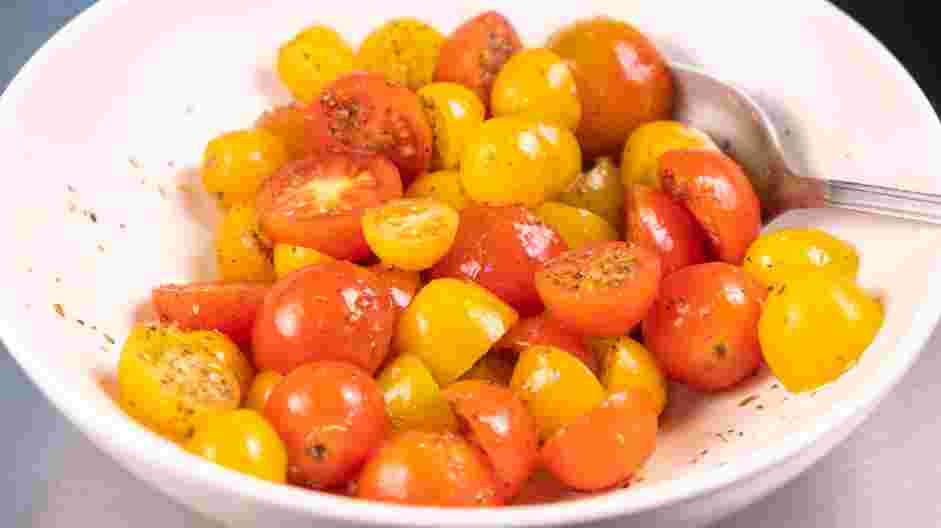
(229, 307)
(601, 290)
(318, 202)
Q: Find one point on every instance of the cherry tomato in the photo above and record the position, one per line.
(703, 328)
(450, 325)
(335, 310)
(556, 387)
(577, 227)
(289, 124)
(242, 251)
(476, 52)
(318, 202)
(227, 307)
(413, 397)
(613, 61)
(405, 50)
(288, 258)
(501, 248)
(795, 253)
(718, 194)
(600, 290)
(243, 441)
(815, 328)
(313, 58)
(410, 233)
(331, 416)
(600, 191)
(606, 446)
(366, 114)
(444, 186)
(236, 163)
(629, 365)
(657, 222)
(455, 113)
(402, 285)
(262, 387)
(498, 422)
(544, 330)
(537, 83)
(492, 368)
(640, 163)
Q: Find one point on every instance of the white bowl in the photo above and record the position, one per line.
(105, 122)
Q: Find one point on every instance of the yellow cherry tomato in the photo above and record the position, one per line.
(288, 124)
(455, 114)
(261, 389)
(405, 50)
(600, 191)
(288, 258)
(494, 368)
(577, 227)
(242, 252)
(170, 380)
(236, 163)
(815, 328)
(410, 233)
(515, 160)
(451, 324)
(556, 387)
(443, 186)
(413, 397)
(537, 83)
(640, 162)
(627, 364)
(243, 441)
(311, 60)
(793, 253)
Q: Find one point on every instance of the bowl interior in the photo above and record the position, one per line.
(104, 130)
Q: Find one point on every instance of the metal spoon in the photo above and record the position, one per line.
(733, 118)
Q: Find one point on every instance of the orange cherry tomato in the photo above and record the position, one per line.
(334, 310)
(498, 422)
(365, 113)
(476, 51)
(606, 446)
(501, 248)
(229, 307)
(318, 202)
(602, 289)
(718, 193)
(331, 416)
(613, 62)
(402, 285)
(429, 469)
(703, 328)
(544, 330)
(657, 222)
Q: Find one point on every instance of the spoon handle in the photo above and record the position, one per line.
(884, 201)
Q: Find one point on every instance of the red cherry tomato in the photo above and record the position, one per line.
(703, 328)
(402, 285)
(230, 307)
(718, 193)
(333, 310)
(331, 416)
(319, 202)
(367, 114)
(501, 248)
(429, 469)
(498, 422)
(602, 289)
(654, 220)
(476, 51)
(544, 330)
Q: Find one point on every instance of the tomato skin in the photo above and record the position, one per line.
(335, 310)
(544, 330)
(444, 186)
(654, 220)
(717, 192)
(501, 248)
(260, 391)
(236, 163)
(577, 227)
(455, 113)
(600, 191)
(602, 289)
(413, 397)
(405, 50)
(402, 285)
(314, 57)
(364, 113)
(537, 83)
(289, 124)
(606, 446)
(242, 251)
(319, 202)
(476, 51)
(613, 61)
(429, 469)
(703, 327)
(243, 441)
(229, 307)
(788, 254)
(640, 162)
(494, 368)
(629, 365)
(331, 416)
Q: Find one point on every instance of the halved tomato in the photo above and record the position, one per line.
(654, 220)
(318, 202)
(601, 290)
(229, 307)
(544, 330)
(365, 113)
